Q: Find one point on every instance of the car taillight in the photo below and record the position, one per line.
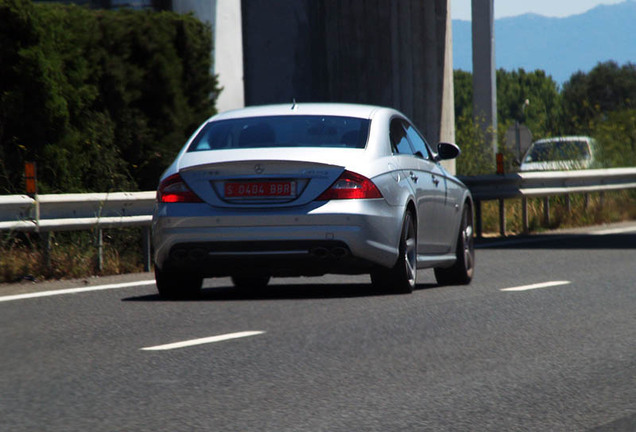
(351, 186)
(174, 190)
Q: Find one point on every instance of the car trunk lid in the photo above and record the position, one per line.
(260, 180)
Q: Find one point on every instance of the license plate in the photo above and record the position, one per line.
(260, 189)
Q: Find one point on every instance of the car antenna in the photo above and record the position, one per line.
(293, 107)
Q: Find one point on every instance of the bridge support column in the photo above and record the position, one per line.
(484, 71)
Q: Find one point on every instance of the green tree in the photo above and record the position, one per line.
(608, 87)
(101, 100)
(85, 156)
(541, 114)
(476, 156)
(463, 87)
(33, 110)
(615, 134)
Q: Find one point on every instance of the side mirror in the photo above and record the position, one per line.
(447, 151)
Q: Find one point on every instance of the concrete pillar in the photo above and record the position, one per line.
(224, 17)
(278, 50)
(484, 70)
(447, 109)
(228, 55)
(380, 52)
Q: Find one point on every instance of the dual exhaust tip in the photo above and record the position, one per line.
(197, 254)
(337, 252)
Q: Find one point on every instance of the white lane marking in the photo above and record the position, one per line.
(553, 237)
(202, 341)
(615, 231)
(516, 241)
(75, 290)
(536, 286)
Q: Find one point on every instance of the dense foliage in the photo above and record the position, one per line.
(605, 89)
(100, 100)
(542, 114)
(600, 103)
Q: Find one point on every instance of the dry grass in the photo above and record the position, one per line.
(596, 209)
(72, 255)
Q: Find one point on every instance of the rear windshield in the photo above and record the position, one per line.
(282, 131)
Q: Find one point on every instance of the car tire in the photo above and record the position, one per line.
(250, 283)
(461, 273)
(402, 277)
(177, 286)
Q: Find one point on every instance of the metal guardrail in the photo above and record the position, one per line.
(543, 184)
(529, 184)
(76, 212)
(70, 212)
(73, 212)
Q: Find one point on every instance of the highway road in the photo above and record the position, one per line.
(544, 339)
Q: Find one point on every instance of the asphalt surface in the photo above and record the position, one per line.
(332, 354)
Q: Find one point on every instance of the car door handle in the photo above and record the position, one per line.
(435, 180)
(413, 177)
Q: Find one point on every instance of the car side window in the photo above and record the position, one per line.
(419, 144)
(399, 141)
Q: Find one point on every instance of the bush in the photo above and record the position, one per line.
(101, 100)
(616, 137)
(477, 154)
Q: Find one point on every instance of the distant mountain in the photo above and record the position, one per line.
(559, 46)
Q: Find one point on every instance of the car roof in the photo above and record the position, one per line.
(335, 109)
(563, 138)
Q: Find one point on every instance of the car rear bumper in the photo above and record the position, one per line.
(286, 258)
(334, 237)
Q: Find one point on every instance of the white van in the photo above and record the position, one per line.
(559, 154)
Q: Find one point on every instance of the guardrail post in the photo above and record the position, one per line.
(524, 214)
(100, 251)
(146, 248)
(546, 211)
(502, 217)
(568, 203)
(478, 230)
(45, 237)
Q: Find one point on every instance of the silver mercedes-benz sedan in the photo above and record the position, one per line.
(306, 190)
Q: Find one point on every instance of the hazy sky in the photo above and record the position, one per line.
(460, 9)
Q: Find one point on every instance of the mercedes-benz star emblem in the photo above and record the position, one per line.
(258, 169)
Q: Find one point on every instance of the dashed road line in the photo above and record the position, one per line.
(202, 341)
(517, 241)
(75, 290)
(536, 286)
(499, 242)
(611, 231)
